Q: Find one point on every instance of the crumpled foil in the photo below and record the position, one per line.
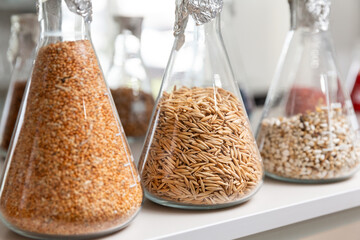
(82, 8)
(319, 11)
(202, 11)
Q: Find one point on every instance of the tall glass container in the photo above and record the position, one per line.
(69, 172)
(199, 152)
(128, 80)
(308, 131)
(23, 40)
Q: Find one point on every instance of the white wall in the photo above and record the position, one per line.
(261, 31)
(256, 37)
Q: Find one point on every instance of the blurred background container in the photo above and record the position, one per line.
(260, 27)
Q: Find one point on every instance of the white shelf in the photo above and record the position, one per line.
(276, 204)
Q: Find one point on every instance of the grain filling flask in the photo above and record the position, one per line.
(69, 172)
(308, 132)
(199, 152)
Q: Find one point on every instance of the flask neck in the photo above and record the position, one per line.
(127, 46)
(58, 22)
(212, 28)
(202, 12)
(127, 42)
(203, 33)
(310, 15)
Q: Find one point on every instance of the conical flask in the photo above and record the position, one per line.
(128, 81)
(199, 152)
(308, 131)
(23, 40)
(69, 172)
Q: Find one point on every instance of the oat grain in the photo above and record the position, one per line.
(202, 135)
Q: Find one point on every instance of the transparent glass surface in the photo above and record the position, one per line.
(308, 132)
(69, 172)
(353, 81)
(199, 151)
(128, 80)
(25, 34)
(230, 35)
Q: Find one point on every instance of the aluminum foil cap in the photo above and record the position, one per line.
(82, 8)
(202, 11)
(319, 11)
(312, 13)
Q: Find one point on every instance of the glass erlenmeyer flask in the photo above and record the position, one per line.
(128, 81)
(199, 152)
(308, 131)
(23, 40)
(69, 172)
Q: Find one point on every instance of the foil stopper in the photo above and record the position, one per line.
(202, 11)
(319, 11)
(82, 8)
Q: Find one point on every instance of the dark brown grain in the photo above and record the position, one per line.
(16, 96)
(134, 108)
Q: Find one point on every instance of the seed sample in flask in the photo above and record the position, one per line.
(308, 132)
(69, 172)
(199, 152)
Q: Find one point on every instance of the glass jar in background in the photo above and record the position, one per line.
(308, 132)
(69, 172)
(199, 152)
(128, 81)
(5, 72)
(23, 41)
